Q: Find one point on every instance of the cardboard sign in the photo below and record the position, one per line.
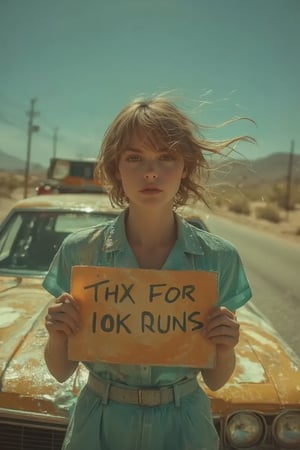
(144, 317)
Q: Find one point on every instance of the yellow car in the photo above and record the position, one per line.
(66, 175)
(259, 408)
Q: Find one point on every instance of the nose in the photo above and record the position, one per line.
(150, 172)
(150, 176)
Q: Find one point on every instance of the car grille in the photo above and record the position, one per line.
(26, 435)
(30, 436)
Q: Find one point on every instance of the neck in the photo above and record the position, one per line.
(150, 230)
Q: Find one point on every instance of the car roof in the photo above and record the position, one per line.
(89, 202)
(80, 202)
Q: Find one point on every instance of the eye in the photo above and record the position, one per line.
(133, 157)
(167, 157)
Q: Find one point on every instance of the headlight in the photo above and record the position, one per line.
(245, 430)
(286, 429)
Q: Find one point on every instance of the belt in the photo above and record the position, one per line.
(142, 397)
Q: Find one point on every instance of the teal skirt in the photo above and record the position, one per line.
(118, 426)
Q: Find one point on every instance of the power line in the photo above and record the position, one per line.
(18, 104)
(7, 121)
(10, 115)
(289, 179)
(54, 141)
(31, 129)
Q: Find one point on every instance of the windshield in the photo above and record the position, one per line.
(29, 240)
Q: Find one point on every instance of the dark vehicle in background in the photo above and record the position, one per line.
(258, 409)
(70, 176)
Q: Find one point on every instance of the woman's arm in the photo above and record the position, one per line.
(222, 329)
(62, 321)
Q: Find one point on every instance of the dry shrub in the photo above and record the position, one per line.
(7, 185)
(9, 182)
(5, 192)
(268, 212)
(239, 206)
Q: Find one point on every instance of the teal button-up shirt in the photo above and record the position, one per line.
(194, 249)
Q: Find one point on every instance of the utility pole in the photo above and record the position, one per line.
(31, 129)
(289, 179)
(54, 141)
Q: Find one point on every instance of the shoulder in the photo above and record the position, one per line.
(214, 242)
(85, 247)
(97, 240)
(205, 241)
(87, 236)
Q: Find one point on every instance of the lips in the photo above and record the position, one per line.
(151, 190)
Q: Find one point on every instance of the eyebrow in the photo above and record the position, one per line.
(136, 150)
(131, 149)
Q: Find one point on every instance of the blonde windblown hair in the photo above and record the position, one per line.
(163, 125)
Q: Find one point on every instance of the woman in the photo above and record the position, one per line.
(151, 161)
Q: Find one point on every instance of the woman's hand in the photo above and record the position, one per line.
(63, 318)
(62, 321)
(222, 329)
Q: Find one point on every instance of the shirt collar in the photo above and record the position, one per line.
(188, 237)
(115, 238)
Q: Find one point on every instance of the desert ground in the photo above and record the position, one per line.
(6, 203)
(288, 228)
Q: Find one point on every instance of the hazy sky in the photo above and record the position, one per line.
(84, 60)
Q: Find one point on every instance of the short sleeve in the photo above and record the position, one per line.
(58, 278)
(234, 288)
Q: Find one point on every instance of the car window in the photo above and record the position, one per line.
(59, 170)
(30, 240)
(82, 170)
(7, 239)
(68, 223)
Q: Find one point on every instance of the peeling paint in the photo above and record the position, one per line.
(252, 371)
(263, 341)
(8, 316)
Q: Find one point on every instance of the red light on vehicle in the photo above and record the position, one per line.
(45, 189)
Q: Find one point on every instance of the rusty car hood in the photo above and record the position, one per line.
(25, 381)
(27, 385)
(267, 372)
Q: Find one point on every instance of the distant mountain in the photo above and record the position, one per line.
(271, 168)
(9, 163)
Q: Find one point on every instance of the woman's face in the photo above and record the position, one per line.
(150, 176)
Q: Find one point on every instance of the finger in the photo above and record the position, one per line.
(223, 330)
(66, 298)
(66, 325)
(223, 335)
(63, 311)
(221, 311)
(59, 327)
(227, 341)
(68, 317)
(218, 322)
(67, 304)
(58, 320)
(64, 308)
